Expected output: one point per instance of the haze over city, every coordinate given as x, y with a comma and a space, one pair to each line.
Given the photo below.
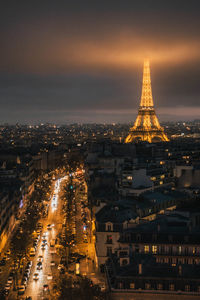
64, 62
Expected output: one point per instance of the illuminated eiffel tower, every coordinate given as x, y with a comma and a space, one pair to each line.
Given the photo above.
146, 127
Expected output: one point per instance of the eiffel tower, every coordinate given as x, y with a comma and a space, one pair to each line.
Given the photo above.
146, 127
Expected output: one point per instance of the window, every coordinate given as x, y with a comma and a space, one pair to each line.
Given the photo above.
129, 177
159, 286
171, 287
121, 285
109, 227
193, 250
132, 285
174, 261
166, 249
124, 262
109, 239
109, 251
154, 249
147, 286
187, 288
179, 250
146, 249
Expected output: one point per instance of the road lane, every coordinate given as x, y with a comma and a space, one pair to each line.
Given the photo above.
54, 218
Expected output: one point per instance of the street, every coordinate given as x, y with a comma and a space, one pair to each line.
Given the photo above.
35, 288
46, 250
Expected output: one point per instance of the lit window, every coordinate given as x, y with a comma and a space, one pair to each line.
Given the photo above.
146, 249
132, 285
129, 177
159, 286
179, 250
161, 182
187, 288
147, 286
171, 287
162, 176
153, 178
154, 249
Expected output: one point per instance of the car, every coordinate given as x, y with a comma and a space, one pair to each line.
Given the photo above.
24, 282
5, 292
40, 258
7, 286
39, 225
8, 252
60, 266
27, 271
35, 245
49, 227
25, 276
2, 262
52, 263
29, 263
6, 257
32, 251
45, 287
28, 266
11, 274
36, 276
62, 271
39, 267
21, 290
49, 276
10, 280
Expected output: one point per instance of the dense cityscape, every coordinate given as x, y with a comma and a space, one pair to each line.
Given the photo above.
82, 209
100, 150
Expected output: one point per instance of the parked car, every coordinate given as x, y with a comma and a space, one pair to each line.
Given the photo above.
36, 276
21, 290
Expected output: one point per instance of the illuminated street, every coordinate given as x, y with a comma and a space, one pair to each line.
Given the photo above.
35, 287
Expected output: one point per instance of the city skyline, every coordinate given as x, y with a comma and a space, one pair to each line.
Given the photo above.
66, 63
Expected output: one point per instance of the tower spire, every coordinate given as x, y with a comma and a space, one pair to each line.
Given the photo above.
146, 98
146, 126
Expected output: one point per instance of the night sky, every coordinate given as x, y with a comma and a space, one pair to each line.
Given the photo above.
81, 61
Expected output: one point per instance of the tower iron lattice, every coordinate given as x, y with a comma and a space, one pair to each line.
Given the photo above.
146, 126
